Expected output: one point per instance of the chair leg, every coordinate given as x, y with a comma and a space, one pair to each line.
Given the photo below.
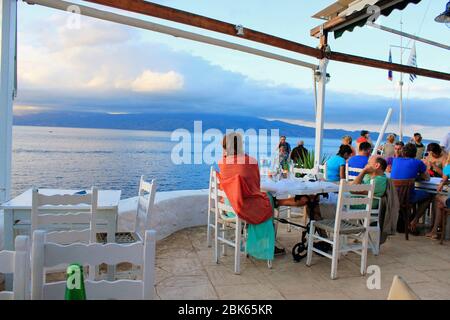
208, 229
365, 246
335, 256
269, 264
406, 212
289, 218
312, 229
216, 243
237, 248
443, 226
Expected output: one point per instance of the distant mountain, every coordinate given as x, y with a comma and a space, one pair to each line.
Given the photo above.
168, 122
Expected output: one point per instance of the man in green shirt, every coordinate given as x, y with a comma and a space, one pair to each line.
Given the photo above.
374, 170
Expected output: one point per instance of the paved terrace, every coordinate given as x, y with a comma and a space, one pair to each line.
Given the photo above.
185, 270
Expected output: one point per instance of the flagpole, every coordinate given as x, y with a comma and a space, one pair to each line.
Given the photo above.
401, 85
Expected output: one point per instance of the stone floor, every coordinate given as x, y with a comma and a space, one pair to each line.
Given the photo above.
185, 270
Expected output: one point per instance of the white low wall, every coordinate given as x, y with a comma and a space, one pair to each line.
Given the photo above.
173, 211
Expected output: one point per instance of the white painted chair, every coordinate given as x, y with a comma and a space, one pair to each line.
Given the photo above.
225, 224
64, 216
46, 254
351, 177
374, 226
144, 209
349, 224
18, 263
211, 206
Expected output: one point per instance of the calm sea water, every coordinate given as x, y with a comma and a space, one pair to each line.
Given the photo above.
111, 159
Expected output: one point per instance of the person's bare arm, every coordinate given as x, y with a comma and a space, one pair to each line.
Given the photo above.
424, 176
443, 183
342, 172
359, 179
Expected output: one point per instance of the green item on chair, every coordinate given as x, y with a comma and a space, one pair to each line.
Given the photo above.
75, 283
261, 240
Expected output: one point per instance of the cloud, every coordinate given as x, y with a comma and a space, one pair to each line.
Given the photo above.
109, 68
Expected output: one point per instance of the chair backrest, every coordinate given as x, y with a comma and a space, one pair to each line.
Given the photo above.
400, 290
63, 212
18, 263
220, 198
47, 254
348, 170
351, 206
212, 186
146, 200
404, 188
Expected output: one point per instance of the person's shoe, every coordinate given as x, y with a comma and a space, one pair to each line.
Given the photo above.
279, 251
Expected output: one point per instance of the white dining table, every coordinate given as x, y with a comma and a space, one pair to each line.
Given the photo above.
288, 188
431, 186
19, 208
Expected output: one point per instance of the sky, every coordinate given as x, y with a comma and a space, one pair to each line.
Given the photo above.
92, 65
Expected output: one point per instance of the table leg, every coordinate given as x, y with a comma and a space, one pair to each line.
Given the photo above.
8, 243
110, 238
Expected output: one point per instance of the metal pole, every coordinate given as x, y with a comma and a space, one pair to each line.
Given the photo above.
8, 43
401, 87
382, 131
320, 112
133, 22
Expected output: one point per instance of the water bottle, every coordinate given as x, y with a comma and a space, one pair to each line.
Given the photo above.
75, 283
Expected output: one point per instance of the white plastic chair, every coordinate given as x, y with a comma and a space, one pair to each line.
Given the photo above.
18, 263
225, 224
46, 254
348, 224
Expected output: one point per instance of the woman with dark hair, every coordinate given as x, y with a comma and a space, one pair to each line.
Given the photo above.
336, 164
435, 161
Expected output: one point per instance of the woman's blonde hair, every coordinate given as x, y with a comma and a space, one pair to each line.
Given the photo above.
347, 139
232, 143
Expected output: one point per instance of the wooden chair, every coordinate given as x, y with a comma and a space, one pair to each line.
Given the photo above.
444, 224
348, 169
46, 254
146, 200
349, 223
67, 218
224, 223
404, 189
18, 263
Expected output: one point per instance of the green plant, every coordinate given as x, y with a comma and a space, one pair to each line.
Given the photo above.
307, 162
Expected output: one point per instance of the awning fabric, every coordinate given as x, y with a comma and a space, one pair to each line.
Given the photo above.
360, 23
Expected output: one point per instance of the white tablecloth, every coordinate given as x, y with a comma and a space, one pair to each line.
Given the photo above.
295, 186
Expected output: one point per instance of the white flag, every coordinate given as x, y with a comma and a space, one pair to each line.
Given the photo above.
413, 62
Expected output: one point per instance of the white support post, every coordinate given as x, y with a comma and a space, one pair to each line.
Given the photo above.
320, 112
7, 69
382, 131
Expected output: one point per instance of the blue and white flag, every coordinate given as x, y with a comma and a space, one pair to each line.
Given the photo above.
413, 62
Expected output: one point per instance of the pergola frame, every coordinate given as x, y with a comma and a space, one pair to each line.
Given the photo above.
323, 53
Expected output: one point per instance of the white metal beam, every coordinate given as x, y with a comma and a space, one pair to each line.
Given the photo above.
322, 81
138, 23
7, 69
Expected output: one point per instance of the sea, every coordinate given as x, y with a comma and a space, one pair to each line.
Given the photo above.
78, 158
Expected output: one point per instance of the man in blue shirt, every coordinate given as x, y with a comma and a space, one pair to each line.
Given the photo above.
409, 167
360, 160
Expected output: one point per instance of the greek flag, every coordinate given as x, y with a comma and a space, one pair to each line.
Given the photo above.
413, 62
390, 76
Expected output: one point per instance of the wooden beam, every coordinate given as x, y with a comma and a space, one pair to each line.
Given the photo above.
188, 18
172, 14
348, 58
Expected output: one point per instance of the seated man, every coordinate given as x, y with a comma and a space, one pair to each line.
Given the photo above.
360, 160
374, 170
409, 167
398, 153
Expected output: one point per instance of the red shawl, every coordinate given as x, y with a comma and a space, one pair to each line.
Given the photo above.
240, 180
